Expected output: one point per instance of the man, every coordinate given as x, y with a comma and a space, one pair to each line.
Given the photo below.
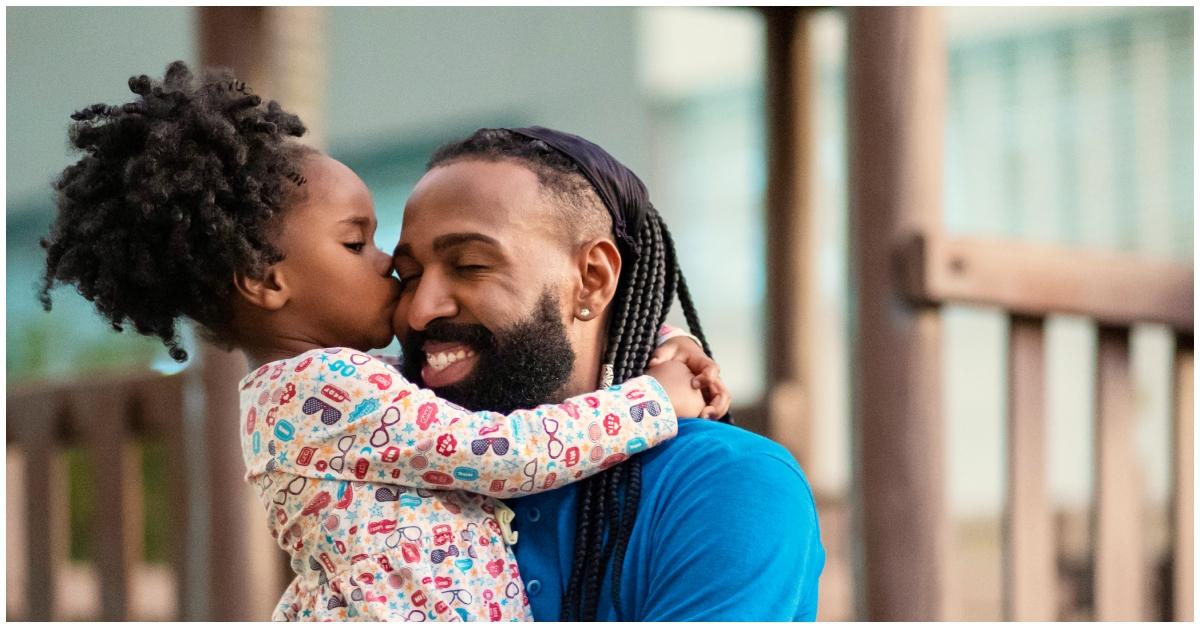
534, 267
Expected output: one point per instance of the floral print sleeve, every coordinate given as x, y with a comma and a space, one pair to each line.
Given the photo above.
345, 415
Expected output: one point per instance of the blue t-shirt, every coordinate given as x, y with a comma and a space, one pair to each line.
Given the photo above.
726, 530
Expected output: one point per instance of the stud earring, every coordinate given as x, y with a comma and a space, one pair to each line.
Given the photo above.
584, 313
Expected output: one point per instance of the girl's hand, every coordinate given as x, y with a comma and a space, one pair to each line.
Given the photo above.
706, 375
676, 380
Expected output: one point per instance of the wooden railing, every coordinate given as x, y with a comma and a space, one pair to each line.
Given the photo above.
105, 417
221, 561
1117, 291
904, 270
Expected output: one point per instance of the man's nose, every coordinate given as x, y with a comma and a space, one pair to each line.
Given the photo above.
432, 300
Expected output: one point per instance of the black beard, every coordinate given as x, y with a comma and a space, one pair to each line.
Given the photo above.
519, 367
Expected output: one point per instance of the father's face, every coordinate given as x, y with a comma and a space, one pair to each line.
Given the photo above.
486, 288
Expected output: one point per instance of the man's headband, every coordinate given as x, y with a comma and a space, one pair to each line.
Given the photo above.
621, 191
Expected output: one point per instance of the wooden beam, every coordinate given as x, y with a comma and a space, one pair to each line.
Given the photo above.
235, 37
896, 100
46, 511
1120, 569
790, 229
1030, 577
1115, 289
162, 410
1183, 496
100, 415
280, 53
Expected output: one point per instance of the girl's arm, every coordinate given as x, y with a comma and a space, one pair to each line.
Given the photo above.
365, 422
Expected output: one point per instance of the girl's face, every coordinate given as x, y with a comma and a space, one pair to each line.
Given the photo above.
341, 291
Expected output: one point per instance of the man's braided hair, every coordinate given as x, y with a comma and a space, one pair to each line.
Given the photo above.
176, 191
607, 502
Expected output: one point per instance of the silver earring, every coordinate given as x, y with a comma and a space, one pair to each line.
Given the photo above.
584, 312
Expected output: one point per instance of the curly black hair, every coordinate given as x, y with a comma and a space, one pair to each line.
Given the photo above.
176, 192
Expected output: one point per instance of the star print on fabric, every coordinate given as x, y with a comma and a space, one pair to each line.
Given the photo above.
337, 535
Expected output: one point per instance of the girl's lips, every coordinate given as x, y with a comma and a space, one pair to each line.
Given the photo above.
452, 374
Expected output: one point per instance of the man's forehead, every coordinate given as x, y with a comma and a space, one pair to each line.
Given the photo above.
502, 199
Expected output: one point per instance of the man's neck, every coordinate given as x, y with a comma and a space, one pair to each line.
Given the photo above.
585, 379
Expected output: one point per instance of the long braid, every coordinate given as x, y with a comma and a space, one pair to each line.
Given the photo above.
613, 522
633, 493
582, 513
594, 563
654, 279
685, 296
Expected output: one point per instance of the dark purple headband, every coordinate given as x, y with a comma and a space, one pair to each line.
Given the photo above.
621, 191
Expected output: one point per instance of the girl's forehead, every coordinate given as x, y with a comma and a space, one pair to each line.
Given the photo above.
334, 191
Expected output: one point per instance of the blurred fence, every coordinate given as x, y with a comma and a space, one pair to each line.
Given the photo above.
107, 419
220, 561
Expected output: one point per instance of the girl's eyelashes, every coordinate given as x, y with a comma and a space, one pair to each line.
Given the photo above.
357, 247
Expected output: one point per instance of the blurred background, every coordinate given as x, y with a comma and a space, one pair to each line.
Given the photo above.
943, 255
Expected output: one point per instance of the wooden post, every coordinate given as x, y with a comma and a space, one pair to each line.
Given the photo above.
280, 53
1120, 568
297, 66
100, 414
161, 409
1183, 482
45, 493
1030, 577
790, 232
896, 95
233, 37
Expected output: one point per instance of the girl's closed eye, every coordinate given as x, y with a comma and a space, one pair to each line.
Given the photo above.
357, 247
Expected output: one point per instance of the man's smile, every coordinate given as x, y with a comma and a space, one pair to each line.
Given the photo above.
447, 363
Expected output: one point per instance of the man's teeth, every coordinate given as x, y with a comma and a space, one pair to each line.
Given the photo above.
441, 360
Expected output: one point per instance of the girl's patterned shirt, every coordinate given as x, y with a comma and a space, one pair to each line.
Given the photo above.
385, 495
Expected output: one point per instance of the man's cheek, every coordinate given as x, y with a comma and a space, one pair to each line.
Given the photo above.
400, 318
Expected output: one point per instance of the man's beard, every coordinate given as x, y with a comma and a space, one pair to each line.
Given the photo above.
519, 367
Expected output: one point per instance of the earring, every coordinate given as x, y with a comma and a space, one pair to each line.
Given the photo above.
584, 313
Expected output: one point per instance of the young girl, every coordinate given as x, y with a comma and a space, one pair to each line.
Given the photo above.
193, 201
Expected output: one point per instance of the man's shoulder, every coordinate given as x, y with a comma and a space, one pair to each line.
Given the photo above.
724, 456
721, 499
701, 442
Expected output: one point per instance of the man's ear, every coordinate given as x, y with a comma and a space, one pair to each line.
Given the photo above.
599, 271
268, 292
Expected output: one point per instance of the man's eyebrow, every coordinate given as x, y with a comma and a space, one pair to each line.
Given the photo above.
456, 239
447, 241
